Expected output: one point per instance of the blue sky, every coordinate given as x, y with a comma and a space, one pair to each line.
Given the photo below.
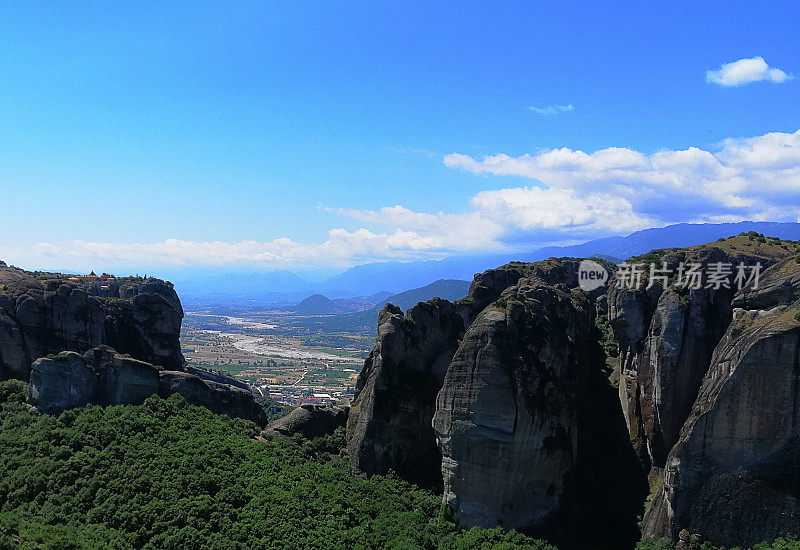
319, 135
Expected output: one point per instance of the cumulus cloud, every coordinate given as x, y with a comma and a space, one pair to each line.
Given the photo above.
572, 196
468, 231
552, 109
342, 249
746, 71
751, 178
538, 208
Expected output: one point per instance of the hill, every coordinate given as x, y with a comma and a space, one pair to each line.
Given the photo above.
449, 289
316, 304
364, 321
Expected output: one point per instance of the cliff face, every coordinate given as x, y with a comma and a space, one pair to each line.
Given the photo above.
666, 338
532, 435
517, 369
506, 416
389, 426
104, 377
117, 342
733, 474
42, 314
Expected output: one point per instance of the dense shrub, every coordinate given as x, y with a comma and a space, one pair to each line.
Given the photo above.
167, 475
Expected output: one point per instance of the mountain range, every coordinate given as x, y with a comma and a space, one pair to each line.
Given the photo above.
287, 288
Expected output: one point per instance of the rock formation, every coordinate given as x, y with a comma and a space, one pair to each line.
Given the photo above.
532, 435
43, 314
517, 370
666, 337
390, 419
104, 377
734, 473
128, 330
506, 416
310, 421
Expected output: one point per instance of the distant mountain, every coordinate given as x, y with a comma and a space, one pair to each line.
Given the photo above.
400, 275
378, 297
679, 235
286, 288
365, 321
449, 289
316, 304
268, 287
371, 278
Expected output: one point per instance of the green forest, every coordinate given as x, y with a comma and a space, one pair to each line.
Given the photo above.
169, 475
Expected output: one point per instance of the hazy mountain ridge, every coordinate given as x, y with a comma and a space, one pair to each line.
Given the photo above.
364, 321
287, 288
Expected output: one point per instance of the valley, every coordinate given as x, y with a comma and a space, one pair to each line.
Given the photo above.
280, 353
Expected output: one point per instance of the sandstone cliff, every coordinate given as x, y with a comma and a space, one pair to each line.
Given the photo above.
518, 372
734, 473
104, 377
42, 313
390, 419
107, 341
666, 337
506, 416
389, 426
531, 434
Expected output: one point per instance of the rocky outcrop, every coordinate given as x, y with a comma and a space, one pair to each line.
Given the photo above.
530, 430
506, 416
733, 474
310, 421
217, 397
104, 377
63, 382
666, 338
531, 433
43, 314
520, 377
389, 427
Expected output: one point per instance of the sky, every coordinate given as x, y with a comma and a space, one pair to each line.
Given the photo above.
321, 135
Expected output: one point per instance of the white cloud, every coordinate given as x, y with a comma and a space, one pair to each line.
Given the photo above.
468, 231
574, 195
552, 109
746, 71
342, 248
747, 178
563, 209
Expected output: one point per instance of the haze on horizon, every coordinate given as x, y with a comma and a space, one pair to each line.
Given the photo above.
315, 136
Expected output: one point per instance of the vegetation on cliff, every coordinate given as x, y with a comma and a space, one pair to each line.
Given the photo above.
166, 474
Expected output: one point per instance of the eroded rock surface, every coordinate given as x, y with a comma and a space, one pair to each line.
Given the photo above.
532, 435
666, 338
43, 314
310, 421
506, 416
734, 474
61, 383
104, 377
390, 419
389, 427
